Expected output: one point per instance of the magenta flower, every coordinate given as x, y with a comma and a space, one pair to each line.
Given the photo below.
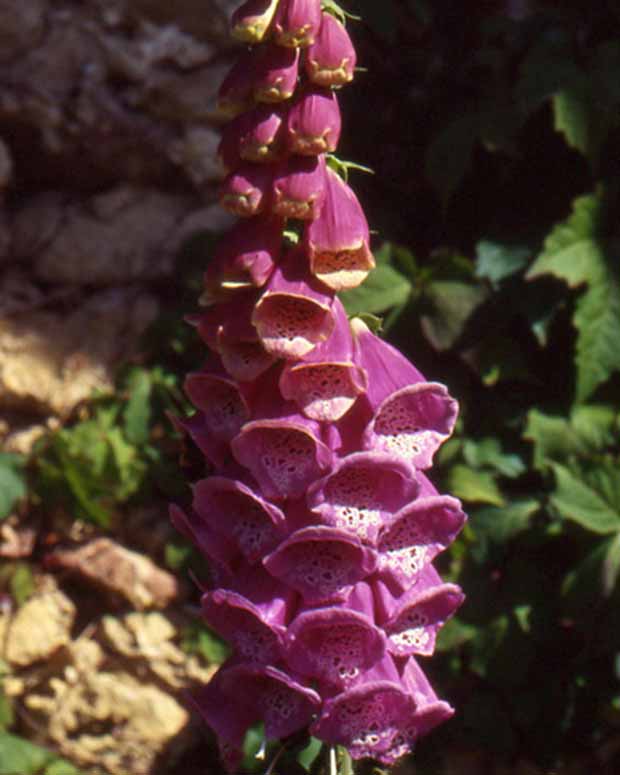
361, 493
327, 382
299, 188
411, 417
338, 240
251, 20
321, 563
246, 257
313, 123
297, 22
235, 93
319, 528
331, 59
276, 73
256, 136
294, 314
246, 191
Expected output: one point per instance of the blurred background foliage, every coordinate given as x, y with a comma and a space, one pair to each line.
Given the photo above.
494, 132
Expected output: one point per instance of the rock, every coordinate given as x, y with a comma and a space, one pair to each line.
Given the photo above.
134, 720
39, 628
114, 238
121, 571
21, 26
50, 361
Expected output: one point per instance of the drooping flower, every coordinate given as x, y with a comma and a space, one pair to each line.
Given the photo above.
338, 241
246, 191
297, 22
255, 136
331, 59
246, 257
251, 20
411, 417
294, 314
299, 188
327, 382
319, 528
313, 123
275, 75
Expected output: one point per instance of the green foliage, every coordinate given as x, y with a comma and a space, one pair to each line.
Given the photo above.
578, 252
12, 483
20, 757
107, 458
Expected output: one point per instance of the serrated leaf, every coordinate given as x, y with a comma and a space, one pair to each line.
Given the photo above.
611, 566
474, 486
384, 288
572, 117
449, 156
579, 501
137, 412
590, 429
488, 453
495, 261
12, 483
576, 252
502, 524
453, 304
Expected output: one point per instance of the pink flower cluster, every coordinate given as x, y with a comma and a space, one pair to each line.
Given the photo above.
318, 522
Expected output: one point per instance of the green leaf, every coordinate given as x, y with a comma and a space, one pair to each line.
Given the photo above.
500, 524
199, 639
589, 430
12, 483
384, 288
590, 507
449, 156
20, 757
452, 305
22, 583
576, 252
474, 486
495, 261
307, 756
60, 767
137, 412
611, 566
481, 453
7, 716
572, 117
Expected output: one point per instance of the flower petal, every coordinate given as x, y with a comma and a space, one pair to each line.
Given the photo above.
362, 493
416, 535
322, 563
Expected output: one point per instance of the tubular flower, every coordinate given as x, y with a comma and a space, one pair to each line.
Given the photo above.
275, 75
297, 22
331, 59
313, 124
317, 520
338, 241
251, 20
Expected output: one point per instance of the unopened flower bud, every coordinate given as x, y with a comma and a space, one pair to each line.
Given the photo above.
313, 124
297, 22
275, 76
251, 20
331, 59
246, 191
299, 188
